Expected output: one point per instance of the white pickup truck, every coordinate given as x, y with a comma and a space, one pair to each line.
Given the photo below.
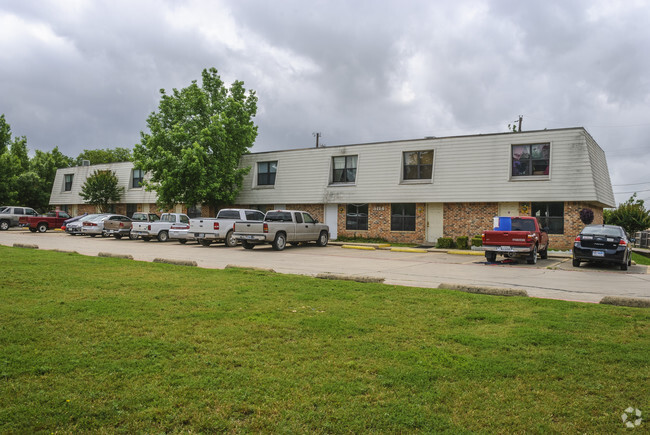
220, 229
281, 227
159, 229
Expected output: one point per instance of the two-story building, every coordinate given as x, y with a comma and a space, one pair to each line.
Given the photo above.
419, 190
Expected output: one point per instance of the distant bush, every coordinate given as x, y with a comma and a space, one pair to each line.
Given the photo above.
461, 242
477, 241
445, 243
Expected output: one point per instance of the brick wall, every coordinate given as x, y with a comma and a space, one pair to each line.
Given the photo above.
468, 218
379, 219
316, 210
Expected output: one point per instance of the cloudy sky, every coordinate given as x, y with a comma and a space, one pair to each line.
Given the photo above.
83, 74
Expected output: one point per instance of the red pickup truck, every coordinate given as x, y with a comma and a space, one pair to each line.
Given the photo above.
516, 236
41, 223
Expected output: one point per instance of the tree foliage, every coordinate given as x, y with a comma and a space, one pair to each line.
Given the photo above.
631, 215
107, 155
101, 189
196, 140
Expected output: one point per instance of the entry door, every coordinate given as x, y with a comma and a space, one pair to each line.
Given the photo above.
434, 222
509, 209
331, 219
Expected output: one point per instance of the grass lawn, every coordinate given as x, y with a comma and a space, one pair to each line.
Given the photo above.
640, 259
110, 345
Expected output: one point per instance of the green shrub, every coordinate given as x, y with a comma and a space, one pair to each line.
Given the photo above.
461, 242
445, 243
477, 241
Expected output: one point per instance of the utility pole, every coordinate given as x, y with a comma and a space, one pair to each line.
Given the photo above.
318, 135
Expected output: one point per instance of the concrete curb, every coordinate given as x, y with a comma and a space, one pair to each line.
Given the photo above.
111, 255
63, 251
369, 279
468, 252
413, 250
260, 269
25, 245
626, 302
493, 291
176, 262
367, 248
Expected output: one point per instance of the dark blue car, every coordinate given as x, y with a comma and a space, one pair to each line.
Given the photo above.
603, 244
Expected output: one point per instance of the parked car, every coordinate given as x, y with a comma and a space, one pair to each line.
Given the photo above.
281, 227
159, 229
95, 226
117, 225
515, 236
220, 229
180, 231
142, 217
71, 220
42, 223
603, 244
10, 216
74, 228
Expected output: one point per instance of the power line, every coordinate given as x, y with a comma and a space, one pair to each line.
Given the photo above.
631, 184
632, 191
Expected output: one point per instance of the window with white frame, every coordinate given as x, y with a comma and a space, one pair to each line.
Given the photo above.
67, 182
418, 165
138, 176
532, 159
266, 173
344, 169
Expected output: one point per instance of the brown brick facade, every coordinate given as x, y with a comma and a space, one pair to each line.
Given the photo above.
379, 224
468, 218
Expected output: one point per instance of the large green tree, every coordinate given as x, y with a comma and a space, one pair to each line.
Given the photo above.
195, 142
631, 215
106, 155
101, 189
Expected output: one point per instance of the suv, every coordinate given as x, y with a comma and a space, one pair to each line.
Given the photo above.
9, 216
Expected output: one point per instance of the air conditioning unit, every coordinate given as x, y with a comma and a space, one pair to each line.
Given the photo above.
85, 163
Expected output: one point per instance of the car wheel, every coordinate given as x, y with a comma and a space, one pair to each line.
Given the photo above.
163, 236
42, 228
231, 242
280, 242
4, 225
576, 262
118, 236
624, 265
182, 241
323, 238
532, 258
544, 254
491, 256
133, 236
205, 242
247, 245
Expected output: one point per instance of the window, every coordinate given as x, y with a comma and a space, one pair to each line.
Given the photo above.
298, 218
530, 160
402, 217
67, 182
345, 169
549, 215
266, 173
130, 209
254, 215
356, 217
138, 176
308, 219
195, 211
418, 165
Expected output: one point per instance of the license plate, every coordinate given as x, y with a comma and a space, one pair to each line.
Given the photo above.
504, 248
248, 237
598, 253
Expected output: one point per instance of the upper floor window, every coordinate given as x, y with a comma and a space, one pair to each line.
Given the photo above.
530, 159
266, 173
418, 165
345, 169
67, 182
138, 176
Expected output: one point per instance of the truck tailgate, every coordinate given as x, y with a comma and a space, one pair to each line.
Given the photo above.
253, 227
509, 238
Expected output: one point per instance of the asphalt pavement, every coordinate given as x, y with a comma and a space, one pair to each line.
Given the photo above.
553, 278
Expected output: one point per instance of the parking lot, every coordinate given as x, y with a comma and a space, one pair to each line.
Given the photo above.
554, 277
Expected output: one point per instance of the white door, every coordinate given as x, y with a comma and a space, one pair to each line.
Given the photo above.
434, 222
331, 219
509, 209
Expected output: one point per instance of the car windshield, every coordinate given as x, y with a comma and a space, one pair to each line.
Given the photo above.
600, 230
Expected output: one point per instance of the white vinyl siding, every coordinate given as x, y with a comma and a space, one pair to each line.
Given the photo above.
465, 169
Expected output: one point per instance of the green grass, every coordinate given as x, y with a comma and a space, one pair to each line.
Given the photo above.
93, 344
640, 259
373, 240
